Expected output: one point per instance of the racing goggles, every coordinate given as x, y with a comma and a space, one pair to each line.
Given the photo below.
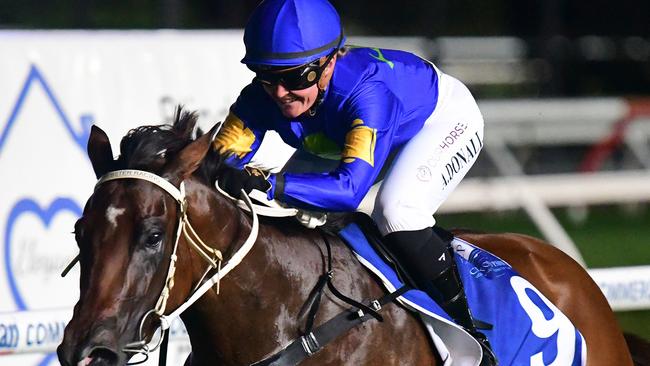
295, 78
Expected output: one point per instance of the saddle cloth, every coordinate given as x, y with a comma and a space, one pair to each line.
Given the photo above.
527, 328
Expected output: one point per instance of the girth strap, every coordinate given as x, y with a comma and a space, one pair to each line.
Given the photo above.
326, 279
306, 346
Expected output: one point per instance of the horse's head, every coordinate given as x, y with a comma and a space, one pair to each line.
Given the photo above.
126, 237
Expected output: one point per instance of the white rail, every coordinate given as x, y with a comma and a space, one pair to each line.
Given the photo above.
557, 190
534, 206
558, 122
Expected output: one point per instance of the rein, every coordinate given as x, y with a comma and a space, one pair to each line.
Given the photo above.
272, 208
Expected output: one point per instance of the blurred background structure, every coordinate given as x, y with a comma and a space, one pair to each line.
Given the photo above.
564, 86
541, 48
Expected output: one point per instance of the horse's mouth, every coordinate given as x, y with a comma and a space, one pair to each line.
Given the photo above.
100, 356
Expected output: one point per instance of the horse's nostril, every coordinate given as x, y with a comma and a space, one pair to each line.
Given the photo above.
100, 356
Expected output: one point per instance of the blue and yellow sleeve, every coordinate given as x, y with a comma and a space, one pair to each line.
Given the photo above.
237, 141
368, 142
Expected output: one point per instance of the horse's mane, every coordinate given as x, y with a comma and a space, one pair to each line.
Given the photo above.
151, 147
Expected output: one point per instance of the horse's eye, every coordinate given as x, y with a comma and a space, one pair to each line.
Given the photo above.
154, 239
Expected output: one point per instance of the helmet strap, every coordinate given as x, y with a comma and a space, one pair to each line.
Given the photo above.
322, 84
317, 102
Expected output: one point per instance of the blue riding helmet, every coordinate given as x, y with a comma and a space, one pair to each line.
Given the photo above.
291, 32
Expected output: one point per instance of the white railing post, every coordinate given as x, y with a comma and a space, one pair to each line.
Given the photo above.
530, 202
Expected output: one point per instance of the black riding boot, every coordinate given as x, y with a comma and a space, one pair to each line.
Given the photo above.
454, 303
439, 278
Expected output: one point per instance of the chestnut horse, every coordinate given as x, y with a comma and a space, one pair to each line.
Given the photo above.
126, 238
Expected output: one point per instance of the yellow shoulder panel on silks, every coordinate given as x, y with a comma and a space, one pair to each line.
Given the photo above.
360, 143
234, 137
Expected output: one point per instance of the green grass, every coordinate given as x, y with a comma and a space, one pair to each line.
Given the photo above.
609, 236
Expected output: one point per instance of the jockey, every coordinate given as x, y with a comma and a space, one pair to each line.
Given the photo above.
362, 105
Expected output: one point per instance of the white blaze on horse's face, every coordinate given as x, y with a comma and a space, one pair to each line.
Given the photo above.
112, 213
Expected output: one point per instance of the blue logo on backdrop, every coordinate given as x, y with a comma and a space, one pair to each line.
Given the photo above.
35, 77
27, 205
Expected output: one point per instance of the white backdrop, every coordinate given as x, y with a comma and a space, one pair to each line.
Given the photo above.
53, 87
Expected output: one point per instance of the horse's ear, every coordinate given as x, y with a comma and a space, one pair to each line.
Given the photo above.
189, 159
99, 151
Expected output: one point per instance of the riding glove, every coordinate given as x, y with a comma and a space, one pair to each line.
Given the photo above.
234, 180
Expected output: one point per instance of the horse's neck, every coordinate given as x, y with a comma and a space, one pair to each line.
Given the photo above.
281, 263
260, 300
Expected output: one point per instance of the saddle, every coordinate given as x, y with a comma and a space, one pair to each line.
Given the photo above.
496, 294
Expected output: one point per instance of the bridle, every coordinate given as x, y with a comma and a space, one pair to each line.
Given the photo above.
211, 255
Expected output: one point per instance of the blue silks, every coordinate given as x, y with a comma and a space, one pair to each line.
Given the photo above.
527, 328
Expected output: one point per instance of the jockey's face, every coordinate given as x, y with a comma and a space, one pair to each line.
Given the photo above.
295, 90
292, 103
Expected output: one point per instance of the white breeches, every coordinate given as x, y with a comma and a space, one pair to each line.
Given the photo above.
431, 164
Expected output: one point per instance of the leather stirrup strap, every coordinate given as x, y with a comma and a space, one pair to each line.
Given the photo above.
307, 345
